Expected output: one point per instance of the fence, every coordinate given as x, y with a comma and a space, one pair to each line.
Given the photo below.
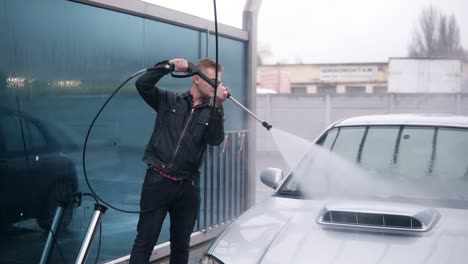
223, 181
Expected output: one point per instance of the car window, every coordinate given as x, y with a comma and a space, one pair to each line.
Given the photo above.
330, 139
381, 140
451, 155
11, 131
415, 151
397, 161
35, 138
348, 141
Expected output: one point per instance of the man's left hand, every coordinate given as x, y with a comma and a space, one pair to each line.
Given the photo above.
221, 95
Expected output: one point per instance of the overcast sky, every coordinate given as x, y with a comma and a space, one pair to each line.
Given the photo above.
312, 31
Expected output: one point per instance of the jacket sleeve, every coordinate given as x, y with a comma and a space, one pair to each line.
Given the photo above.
216, 131
145, 85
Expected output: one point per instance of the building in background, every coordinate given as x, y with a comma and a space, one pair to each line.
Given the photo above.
398, 75
320, 79
409, 75
465, 78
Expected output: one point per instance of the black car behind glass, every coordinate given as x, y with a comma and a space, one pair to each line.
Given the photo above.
34, 172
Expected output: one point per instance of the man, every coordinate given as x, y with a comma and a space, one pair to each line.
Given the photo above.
174, 155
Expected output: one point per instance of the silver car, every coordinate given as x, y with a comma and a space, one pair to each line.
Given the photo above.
372, 189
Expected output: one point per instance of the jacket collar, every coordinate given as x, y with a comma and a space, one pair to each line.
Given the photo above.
189, 96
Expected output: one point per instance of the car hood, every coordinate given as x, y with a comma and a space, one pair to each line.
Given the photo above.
282, 230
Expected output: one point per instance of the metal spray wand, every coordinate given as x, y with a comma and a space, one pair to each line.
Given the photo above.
194, 70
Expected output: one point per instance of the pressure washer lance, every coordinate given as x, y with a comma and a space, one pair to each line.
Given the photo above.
194, 70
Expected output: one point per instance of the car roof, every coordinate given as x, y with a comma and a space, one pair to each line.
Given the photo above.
407, 119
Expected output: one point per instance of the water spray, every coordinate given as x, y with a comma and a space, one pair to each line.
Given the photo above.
194, 70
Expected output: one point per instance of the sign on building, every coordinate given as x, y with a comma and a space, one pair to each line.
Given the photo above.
348, 73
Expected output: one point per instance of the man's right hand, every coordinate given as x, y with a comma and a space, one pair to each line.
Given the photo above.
180, 65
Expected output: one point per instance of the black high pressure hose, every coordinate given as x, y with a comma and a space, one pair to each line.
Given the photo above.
216, 60
86, 143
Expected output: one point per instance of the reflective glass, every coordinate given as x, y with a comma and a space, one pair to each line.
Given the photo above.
381, 140
330, 139
451, 161
10, 129
59, 62
348, 141
415, 150
421, 163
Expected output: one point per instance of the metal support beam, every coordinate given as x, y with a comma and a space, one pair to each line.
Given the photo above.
250, 25
166, 15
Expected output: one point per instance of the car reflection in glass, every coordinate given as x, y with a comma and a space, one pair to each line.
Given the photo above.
372, 189
35, 174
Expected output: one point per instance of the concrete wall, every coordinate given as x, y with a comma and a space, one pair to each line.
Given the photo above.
306, 116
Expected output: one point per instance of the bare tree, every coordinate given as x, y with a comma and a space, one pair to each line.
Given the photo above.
436, 36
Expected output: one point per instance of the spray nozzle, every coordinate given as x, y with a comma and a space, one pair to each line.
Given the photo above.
266, 125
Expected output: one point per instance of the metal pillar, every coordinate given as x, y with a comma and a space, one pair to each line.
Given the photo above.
250, 14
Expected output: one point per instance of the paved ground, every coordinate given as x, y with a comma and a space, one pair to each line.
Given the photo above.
195, 254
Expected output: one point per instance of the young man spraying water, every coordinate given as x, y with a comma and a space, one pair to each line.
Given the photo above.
174, 155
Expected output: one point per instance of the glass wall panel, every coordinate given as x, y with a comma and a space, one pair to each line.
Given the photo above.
59, 62
231, 54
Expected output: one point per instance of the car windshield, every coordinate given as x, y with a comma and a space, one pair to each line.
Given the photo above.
427, 163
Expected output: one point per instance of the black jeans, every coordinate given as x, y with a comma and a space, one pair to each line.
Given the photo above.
182, 200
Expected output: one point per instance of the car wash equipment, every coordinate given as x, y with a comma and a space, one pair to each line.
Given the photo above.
62, 205
99, 210
194, 70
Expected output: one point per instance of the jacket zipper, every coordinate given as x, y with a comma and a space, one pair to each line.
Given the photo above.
181, 136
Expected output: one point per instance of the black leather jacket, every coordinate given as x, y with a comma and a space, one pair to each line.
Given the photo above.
181, 131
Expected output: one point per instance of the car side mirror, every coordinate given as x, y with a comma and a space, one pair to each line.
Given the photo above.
271, 177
